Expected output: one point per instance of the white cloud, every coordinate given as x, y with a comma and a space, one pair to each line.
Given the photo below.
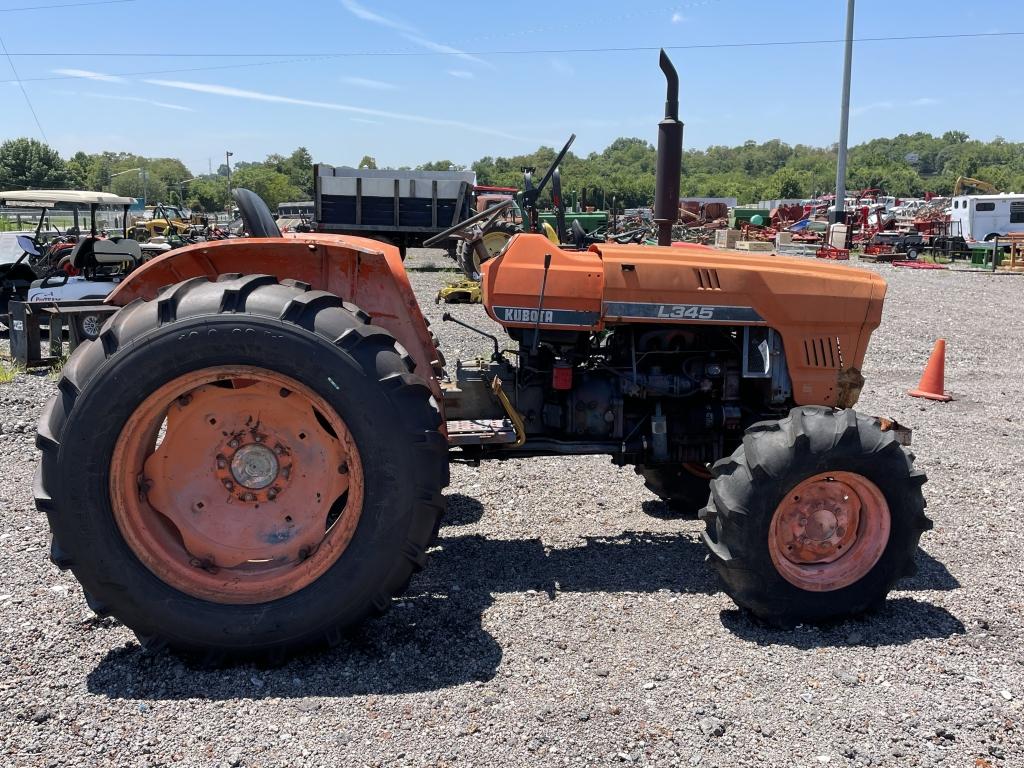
409, 32
140, 100
461, 74
89, 75
678, 18
875, 106
441, 48
367, 15
239, 93
364, 120
872, 107
373, 85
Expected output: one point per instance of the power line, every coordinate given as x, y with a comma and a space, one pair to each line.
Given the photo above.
620, 49
299, 58
24, 92
64, 5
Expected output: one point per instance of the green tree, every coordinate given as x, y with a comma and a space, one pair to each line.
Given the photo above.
368, 162
272, 186
30, 164
208, 193
440, 165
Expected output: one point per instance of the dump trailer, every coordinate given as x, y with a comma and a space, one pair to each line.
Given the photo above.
250, 458
402, 208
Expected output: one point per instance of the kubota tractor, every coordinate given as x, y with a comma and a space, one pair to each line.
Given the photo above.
250, 458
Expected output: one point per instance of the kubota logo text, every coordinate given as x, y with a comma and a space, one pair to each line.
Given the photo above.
517, 315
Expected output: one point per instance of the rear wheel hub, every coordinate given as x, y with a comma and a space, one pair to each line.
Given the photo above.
236, 484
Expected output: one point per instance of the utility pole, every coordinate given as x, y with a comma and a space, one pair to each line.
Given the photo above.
227, 162
844, 119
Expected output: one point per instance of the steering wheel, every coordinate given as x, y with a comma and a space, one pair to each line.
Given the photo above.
256, 216
458, 231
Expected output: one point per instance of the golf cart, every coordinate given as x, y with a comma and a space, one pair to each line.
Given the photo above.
71, 266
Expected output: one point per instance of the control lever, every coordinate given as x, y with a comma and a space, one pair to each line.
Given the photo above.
540, 304
496, 357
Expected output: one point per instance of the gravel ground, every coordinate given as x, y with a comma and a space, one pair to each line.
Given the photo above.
564, 621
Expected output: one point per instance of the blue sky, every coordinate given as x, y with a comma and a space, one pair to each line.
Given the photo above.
465, 93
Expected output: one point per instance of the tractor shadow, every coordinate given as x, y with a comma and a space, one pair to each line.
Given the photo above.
434, 638
462, 510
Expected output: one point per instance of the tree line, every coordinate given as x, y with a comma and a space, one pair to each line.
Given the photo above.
908, 165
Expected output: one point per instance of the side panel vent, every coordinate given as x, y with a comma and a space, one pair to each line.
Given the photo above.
823, 352
707, 279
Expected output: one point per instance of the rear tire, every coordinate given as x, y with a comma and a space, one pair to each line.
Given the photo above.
313, 338
754, 484
683, 491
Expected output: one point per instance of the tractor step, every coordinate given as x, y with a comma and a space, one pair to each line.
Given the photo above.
481, 432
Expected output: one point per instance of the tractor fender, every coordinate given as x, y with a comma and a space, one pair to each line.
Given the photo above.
361, 271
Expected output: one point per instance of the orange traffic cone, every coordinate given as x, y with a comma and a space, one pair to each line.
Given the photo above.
932, 384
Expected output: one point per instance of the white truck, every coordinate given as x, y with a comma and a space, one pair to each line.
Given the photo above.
985, 217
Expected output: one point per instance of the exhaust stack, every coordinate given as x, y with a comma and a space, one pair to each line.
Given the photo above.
670, 157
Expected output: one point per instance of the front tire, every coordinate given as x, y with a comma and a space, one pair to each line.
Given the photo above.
192, 515
814, 517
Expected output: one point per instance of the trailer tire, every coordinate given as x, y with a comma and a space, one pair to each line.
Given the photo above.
912, 254
364, 381
683, 489
822, 454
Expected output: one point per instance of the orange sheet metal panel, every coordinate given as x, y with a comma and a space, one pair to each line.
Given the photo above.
824, 311
572, 297
364, 272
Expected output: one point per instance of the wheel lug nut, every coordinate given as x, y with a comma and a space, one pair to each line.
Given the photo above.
229, 485
803, 521
233, 443
248, 497
272, 493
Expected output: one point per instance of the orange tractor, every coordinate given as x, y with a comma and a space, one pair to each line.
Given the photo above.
250, 458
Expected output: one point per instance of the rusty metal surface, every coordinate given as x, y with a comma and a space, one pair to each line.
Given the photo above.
829, 531
192, 496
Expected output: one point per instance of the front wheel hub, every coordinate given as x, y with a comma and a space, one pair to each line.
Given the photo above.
829, 531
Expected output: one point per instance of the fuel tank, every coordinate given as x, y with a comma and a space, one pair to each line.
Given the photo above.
825, 312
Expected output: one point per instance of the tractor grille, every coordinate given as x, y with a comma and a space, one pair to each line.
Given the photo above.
707, 279
823, 352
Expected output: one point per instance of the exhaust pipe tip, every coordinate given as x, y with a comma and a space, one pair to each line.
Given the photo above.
671, 86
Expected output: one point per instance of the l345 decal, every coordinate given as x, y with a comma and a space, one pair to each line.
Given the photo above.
682, 312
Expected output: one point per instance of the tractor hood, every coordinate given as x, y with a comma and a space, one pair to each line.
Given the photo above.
825, 312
